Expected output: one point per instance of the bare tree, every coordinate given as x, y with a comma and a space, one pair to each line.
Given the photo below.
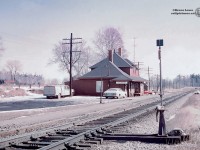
52, 81
108, 39
85, 60
154, 79
29, 79
14, 66
61, 56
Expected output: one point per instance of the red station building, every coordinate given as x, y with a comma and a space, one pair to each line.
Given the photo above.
111, 72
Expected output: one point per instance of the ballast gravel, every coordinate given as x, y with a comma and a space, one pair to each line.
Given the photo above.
185, 114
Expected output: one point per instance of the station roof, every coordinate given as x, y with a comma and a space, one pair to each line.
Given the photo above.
117, 60
109, 70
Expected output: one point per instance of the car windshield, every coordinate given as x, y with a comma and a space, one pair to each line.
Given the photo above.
113, 89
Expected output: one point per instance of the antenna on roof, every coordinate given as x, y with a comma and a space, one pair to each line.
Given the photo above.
134, 49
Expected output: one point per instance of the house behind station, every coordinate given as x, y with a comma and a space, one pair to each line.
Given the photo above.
111, 72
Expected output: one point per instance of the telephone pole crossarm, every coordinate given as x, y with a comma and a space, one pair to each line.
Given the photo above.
72, 43
74, 39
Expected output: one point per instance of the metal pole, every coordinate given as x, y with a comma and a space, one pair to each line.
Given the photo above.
70, 70
149, 78
161, 109
160, 77
138, 68
101, 89
157, 84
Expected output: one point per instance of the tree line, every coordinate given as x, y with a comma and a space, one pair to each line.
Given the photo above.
180, 81
12, 75
21, 79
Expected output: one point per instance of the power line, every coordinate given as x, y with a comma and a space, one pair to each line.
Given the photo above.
149, 69
138, 64
148, 73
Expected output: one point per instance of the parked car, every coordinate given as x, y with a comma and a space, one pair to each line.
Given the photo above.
152, 92
197, 92
52, 91
115, 93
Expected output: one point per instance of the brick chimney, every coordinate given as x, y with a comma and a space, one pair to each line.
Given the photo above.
120, 52
110, 55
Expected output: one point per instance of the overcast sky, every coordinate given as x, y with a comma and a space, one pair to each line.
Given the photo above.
30, 28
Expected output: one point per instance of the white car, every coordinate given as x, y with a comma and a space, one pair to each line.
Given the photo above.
115, 93
197, 92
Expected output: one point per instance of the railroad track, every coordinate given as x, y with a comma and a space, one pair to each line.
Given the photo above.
79, 136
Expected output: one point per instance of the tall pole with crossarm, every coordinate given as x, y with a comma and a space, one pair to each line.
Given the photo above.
70, 56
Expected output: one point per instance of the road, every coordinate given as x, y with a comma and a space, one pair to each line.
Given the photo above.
35, 103
31, 102
40, 101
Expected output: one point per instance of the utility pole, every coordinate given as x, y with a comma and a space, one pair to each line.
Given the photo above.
149, 79
149, 69
138, 65
179, 80
70, 57
157, 84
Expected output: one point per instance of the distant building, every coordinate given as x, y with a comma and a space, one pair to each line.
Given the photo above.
113, 72
9, 81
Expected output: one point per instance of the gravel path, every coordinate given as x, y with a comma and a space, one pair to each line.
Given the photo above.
185, 114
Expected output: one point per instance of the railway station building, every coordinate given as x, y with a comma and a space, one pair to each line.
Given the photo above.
111, 72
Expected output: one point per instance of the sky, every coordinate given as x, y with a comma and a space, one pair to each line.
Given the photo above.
29, 30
